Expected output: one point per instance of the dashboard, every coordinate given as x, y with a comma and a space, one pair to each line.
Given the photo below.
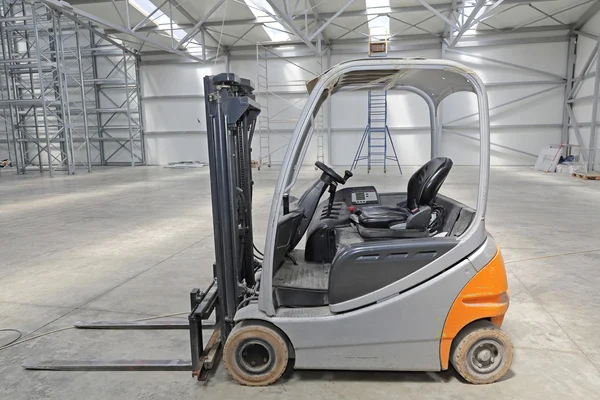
364, 195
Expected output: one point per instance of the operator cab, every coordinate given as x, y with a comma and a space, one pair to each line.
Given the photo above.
357, 240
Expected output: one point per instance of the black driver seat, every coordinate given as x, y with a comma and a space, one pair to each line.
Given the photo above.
422, 190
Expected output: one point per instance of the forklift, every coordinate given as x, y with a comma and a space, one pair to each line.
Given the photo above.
401, 281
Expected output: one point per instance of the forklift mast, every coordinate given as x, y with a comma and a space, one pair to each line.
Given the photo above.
231, 113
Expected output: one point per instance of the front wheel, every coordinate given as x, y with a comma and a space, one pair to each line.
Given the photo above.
255, 355
482, 353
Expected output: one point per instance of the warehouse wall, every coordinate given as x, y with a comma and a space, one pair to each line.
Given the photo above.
583, 107
173, 102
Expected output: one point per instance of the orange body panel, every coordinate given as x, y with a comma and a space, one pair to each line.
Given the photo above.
484, 296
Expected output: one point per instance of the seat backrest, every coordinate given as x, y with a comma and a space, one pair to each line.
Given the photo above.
424, 184
287, 231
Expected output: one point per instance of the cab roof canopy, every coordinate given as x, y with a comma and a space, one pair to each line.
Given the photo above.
433, 79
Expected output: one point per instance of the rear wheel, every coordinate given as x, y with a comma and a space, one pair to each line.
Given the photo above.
482, 353
255, 355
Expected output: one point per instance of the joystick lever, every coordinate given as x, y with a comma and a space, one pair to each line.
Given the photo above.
347, 175
332, 188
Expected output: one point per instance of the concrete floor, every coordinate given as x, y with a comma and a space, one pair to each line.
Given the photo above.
131, 243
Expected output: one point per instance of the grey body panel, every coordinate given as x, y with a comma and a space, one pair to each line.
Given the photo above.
455, 255
483, 255
399, 333
362, 268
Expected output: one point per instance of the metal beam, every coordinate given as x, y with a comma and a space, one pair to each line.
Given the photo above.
330, 20
551, 15
584, 71
143, 22
488, 12
505, 63
474, 42
287, 21
439, 14
414, 42
318, 18
571, 61
454, 132
594, 121
179, 7
585, 34
101, 34
467, 25
198, 25
577, 132
410, 25
506, 103
448, 29
322, 16
587, 15
350, 30
68, 10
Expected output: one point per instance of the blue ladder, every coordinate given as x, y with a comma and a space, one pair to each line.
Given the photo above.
376, 135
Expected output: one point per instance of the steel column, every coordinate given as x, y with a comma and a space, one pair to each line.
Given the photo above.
86, 131
571, 59
594, 122
42, 94
577, 132
128, 101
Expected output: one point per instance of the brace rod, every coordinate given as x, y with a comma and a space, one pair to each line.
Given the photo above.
508, 103
508, 64
584, 71
198, 25
147, 19
492, 143
589, 14
551, 15
330, 20
287, 21
468, 23
439, 14
67, 9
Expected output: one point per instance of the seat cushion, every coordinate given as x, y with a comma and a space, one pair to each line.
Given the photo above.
381, 216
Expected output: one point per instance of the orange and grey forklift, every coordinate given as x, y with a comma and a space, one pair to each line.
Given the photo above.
401, 281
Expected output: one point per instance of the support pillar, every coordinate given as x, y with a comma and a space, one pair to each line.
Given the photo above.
594, 123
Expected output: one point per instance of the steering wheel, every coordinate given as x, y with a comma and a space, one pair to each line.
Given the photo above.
329, 171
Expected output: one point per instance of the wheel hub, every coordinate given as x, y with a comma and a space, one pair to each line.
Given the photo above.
255, 356
486, 356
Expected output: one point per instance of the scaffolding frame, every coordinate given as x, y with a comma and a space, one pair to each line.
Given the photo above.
51, 88
267, 91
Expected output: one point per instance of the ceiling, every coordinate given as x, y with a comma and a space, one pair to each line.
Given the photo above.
230, 24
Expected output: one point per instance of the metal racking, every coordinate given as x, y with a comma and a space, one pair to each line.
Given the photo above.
57, 79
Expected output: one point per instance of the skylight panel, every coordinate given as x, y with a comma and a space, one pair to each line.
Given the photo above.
146, 7
379, 27
468, 10
262, 11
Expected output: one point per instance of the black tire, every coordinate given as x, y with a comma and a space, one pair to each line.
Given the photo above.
255, 355
482, 353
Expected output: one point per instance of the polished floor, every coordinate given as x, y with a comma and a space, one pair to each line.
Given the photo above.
130, 243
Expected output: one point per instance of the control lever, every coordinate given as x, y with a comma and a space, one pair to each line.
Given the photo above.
332, 188
347, 175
